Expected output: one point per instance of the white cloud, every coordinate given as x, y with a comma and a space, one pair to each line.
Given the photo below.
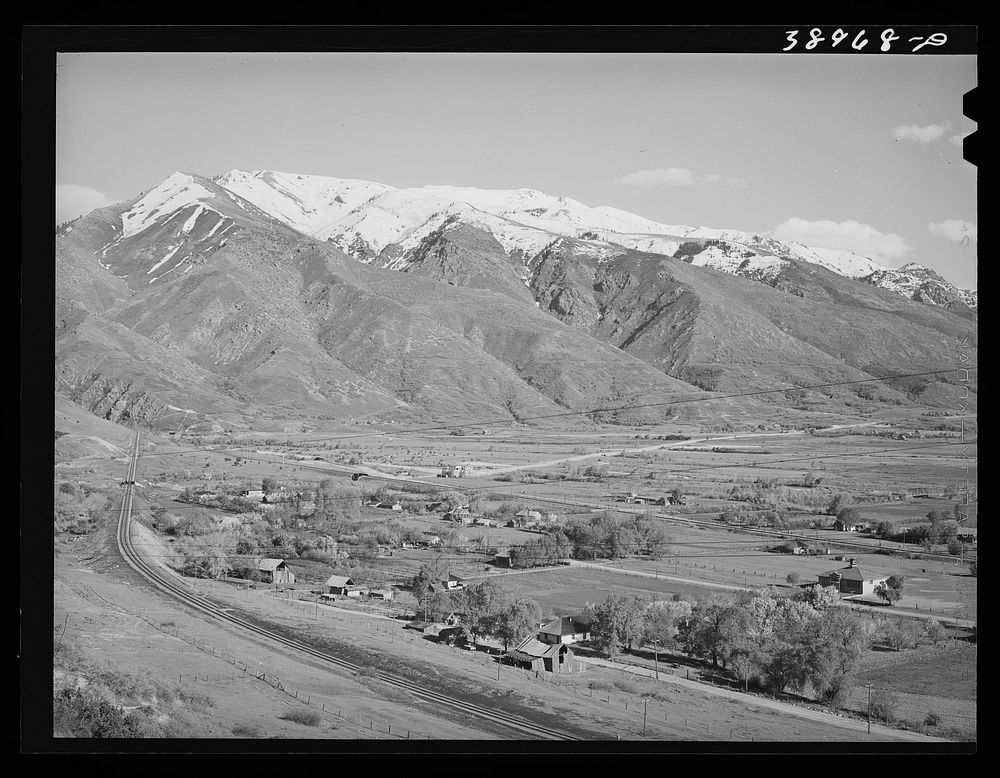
848, 236
928, 134
670, 177
954, 230
660, 177
73, 200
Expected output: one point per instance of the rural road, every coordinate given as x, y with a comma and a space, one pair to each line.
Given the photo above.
658, 576
615, 452
878, 732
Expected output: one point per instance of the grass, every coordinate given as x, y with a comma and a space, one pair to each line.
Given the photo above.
948, 673
307, 718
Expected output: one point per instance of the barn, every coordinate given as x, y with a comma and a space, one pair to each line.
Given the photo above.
275, 571
532, 654
338, 584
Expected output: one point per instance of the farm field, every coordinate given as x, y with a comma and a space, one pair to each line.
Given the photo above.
931, 679
597, 702
701, 560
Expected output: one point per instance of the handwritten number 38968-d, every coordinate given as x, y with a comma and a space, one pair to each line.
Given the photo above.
860, 41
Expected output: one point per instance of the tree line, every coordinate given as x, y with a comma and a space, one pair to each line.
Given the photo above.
802, 643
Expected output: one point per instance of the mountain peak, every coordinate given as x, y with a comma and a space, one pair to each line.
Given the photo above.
176, 191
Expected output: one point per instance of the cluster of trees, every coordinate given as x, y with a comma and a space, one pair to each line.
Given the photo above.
612, 536
753, 518
623, 622
546, 550
758, 636
223, 501
77, 508
781, 642
486, 610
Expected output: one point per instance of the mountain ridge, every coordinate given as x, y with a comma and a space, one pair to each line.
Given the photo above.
191, 296
540, 218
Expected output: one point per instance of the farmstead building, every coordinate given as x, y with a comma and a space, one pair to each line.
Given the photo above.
532, 654
851, 581
339, 584
275, 571
566, 629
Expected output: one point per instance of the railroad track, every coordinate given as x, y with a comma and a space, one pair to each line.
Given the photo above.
521, 726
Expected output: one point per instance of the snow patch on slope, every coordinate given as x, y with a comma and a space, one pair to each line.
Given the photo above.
845, 263
176, 192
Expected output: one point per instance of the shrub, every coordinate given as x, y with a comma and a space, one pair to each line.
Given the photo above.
309, 718
932, 719
82, 713
627, 686
884, 704
246, 730
899, 634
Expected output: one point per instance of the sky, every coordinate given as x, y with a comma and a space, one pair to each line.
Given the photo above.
859, 152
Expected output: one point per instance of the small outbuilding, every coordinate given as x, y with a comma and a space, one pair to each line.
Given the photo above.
502, 558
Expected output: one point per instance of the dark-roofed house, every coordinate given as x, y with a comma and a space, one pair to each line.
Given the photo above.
502, 558
453, 583
339, 584
460, 514
533, 654
565, 629
851, 581
275, 571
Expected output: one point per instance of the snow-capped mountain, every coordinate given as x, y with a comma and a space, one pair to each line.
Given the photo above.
300, 296
386, 226
920, 283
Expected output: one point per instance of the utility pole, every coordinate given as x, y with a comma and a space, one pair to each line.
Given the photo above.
644, 701
869, 709
656, 658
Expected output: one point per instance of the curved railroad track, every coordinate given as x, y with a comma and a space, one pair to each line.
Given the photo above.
521, 726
